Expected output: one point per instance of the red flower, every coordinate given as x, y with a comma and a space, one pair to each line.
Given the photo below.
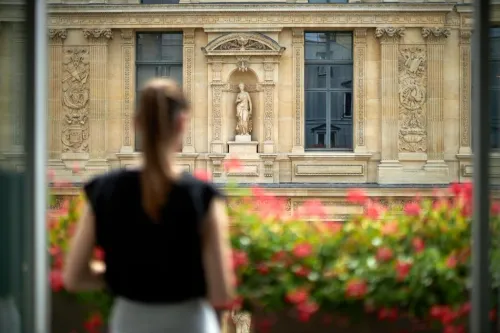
444, 313
263, 269
418, 244
384, 254
313, 208
451, 261
306, 310
334, 227
373, 210
495, 208
202, 175
402, 270
412, 209
99, 254
464, 309
279, 256
297, 296
302, 250
56, 280
240, 259
258, 192
57, 261
493, 314
390, 228
388, 313
232, 164
454, 329
302, 271
356, 196
94, 323
356, 288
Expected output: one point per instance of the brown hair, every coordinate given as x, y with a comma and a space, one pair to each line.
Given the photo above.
162, 101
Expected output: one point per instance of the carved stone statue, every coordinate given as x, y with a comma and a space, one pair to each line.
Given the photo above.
243, 112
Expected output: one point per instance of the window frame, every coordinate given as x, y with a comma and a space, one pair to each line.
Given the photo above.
163, 64
328, 90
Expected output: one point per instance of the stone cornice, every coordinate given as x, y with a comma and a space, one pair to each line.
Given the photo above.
223, 16
230, 8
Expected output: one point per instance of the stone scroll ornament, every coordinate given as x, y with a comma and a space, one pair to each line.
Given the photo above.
412, 96
75, 100
243, 112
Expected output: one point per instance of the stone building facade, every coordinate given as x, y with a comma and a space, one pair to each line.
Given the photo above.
358, 94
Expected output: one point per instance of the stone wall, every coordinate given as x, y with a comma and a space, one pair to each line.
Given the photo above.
411, 104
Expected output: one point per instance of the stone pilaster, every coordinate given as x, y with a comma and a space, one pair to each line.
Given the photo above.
389, 39
359, 89
465, 93
435, 38
270, 119
188, 83
127, 58
298, 90
56, 41
217, 86
98, 45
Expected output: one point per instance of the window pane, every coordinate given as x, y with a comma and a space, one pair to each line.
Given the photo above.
341, 76
171, 49
146, 73
328, 46
315, 76
176, 73
148, 47
341, 122
315, 119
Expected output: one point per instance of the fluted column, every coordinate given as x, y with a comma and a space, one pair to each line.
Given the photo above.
389, 39
56, 41
128, 55
465, 92
98, 45
436, 38
188, 85
298, 90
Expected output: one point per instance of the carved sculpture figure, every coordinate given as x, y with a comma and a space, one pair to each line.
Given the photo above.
243, 112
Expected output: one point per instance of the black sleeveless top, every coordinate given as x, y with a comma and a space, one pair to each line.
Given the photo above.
147, 261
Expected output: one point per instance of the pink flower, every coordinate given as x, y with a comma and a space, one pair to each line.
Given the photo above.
356, 288
297, 296
402, 270
240, 259
373, 210
313, 208
412, 209
390, 228
418, 244
56, 280
94, 323
232, 164
451, 261
202, 175
356, 196
384, 254
302, 250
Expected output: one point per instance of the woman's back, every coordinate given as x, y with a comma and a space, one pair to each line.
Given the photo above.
151, 261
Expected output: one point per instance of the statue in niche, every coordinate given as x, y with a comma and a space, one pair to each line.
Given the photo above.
243, 112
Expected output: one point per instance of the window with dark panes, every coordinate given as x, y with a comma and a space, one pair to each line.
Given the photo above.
157, 55
158, 2
328, 90
495, 87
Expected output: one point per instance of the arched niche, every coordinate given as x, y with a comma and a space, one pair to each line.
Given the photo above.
251, 81
250, 58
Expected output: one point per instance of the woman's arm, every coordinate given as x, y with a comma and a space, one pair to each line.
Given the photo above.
79, 275
217, 256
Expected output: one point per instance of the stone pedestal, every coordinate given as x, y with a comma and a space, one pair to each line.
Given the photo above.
243, 147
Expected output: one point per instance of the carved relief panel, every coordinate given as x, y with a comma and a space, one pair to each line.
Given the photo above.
75, 100
412, 67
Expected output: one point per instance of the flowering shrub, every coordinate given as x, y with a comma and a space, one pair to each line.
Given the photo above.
383, 262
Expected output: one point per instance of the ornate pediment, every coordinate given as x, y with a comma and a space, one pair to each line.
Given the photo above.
243, 44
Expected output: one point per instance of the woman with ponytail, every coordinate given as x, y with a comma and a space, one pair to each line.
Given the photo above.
164, 233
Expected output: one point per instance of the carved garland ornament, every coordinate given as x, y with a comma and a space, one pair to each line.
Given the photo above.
412, 95
465, 87
75, 92
127, 50
188, 75
246, 43
360, 58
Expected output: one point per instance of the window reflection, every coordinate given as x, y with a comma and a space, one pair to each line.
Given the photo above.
328, 90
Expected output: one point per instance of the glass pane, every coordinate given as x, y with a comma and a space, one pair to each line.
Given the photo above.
171, 49
176, 73
495, 118
341, 76
495, 42
328, 46
495, 74
315, 119
146, 73
341, 119
315, 76
148, 47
